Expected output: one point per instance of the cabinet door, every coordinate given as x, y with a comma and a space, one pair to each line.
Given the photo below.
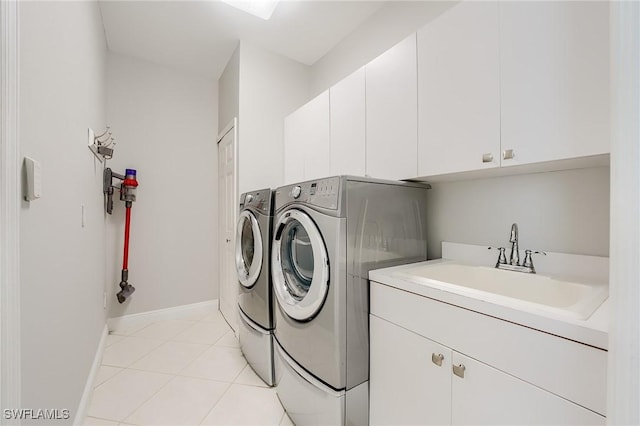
392, 113
405, 385
459, 90
554, 79
488, 396
306, 141
348, 125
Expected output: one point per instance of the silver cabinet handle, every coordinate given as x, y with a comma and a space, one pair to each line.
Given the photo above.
458, 370
508, 154
437, 359
487, 157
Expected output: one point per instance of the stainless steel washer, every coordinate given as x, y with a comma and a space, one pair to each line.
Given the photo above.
255, 301
328, 234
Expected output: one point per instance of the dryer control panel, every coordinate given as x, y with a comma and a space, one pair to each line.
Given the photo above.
322, 193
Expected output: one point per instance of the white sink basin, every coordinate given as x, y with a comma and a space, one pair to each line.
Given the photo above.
530, 292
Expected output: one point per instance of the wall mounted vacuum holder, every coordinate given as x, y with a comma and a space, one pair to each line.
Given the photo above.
128, 195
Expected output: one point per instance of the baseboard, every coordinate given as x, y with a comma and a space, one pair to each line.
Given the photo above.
128, 322
83, 407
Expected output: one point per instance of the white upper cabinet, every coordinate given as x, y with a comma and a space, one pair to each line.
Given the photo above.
348, 125
392, 113
306, 141
459, 90
554, 63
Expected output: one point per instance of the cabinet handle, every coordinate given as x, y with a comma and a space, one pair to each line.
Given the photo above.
458, 370
487, 157
437, 359
508, 154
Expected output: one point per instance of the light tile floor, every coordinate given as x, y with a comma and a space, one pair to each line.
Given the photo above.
188, 371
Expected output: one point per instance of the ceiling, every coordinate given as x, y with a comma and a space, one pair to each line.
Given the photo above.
200, 36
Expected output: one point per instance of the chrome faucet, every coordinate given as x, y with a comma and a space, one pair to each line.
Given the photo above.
514, 257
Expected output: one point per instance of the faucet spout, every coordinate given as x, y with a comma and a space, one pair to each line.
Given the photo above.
514, 258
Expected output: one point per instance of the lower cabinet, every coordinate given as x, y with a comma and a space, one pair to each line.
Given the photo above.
414, 380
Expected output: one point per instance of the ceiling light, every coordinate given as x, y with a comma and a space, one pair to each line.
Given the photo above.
260, 8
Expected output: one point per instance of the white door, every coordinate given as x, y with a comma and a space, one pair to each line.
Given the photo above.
226, 226
459, 90
392, 113
410, 377
554, 80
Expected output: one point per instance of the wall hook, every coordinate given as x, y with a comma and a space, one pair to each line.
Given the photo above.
101, 145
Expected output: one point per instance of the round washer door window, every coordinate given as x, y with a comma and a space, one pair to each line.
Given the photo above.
248, 249
300, 265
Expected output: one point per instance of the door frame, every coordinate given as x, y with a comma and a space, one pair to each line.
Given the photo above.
232, 126
10, 387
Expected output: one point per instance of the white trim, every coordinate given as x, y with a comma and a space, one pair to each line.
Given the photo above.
133, 321
623, 387
83, 407
10, 388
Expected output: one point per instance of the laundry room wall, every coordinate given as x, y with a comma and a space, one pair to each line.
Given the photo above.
165, 123
565, 211
229, 91
271, 86
62, 93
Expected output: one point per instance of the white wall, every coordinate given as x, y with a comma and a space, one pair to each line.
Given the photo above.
165, 124
63, 54
624, 280
391, 24
271, 87
229, 91
565, 211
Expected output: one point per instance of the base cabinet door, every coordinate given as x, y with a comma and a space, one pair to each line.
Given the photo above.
483, 395
414, 380
410, 377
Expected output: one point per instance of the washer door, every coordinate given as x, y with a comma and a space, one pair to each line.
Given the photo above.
300, 265
248, 249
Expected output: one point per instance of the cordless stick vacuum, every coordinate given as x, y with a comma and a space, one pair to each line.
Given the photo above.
128, 195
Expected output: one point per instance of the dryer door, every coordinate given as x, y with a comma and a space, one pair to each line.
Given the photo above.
248, 249
300, 265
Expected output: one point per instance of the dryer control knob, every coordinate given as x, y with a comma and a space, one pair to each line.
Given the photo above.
248, 199
296, 191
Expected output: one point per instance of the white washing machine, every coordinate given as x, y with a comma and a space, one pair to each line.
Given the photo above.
328, 234
255, 301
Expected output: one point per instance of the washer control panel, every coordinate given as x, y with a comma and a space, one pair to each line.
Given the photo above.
257, 199
321, 193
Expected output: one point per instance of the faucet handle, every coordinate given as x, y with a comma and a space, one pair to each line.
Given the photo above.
502, 257
528, 262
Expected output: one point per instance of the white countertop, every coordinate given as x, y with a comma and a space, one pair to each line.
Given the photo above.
593, 331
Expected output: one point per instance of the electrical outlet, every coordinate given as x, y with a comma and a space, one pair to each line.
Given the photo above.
104, 300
